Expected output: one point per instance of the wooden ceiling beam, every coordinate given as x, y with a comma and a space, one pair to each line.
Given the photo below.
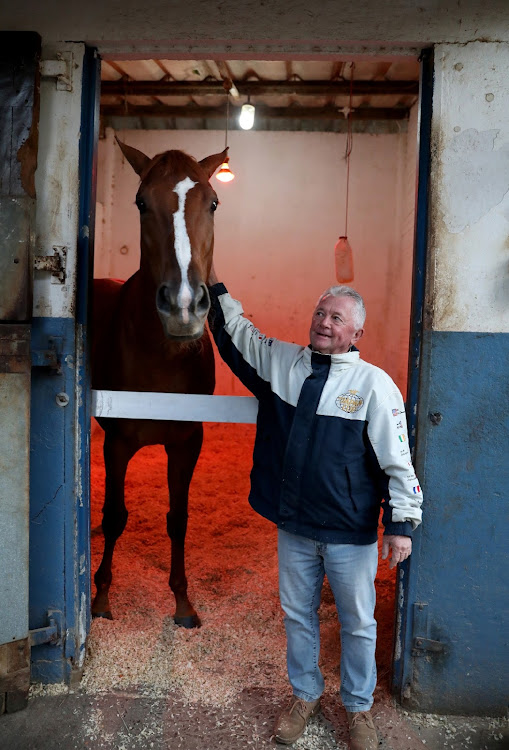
124, 87
293, 112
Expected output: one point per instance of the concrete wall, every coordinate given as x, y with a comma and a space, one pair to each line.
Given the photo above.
243, 26
462, 452
277, 225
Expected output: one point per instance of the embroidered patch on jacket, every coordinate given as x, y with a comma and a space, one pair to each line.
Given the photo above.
416, 490
349, 402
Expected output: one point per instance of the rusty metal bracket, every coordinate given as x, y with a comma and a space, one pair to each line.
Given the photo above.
60, 68
48, 353
52, 633
426, 644
55, 264
421, 644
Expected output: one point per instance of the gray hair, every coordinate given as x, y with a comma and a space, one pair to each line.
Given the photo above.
346, 291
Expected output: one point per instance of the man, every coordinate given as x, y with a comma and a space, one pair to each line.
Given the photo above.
331, 448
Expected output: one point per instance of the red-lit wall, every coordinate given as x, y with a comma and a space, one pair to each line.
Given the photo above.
278, 222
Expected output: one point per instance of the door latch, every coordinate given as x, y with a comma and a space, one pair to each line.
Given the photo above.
52, 633
421, 643
55, 264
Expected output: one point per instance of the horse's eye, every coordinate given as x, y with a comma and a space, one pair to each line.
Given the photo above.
214, 205
142, 206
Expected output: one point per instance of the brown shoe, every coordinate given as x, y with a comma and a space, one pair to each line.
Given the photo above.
291, 722
363, 734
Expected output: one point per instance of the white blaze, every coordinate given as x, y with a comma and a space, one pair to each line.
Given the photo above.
183, 246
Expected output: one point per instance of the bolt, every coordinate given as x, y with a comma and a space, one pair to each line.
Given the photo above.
62, 399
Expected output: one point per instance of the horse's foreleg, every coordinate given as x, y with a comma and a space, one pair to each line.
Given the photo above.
182, 460
117, 454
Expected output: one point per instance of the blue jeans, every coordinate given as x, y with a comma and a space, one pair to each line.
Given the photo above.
351, 571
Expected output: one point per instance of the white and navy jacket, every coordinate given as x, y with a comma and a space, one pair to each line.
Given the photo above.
331, 441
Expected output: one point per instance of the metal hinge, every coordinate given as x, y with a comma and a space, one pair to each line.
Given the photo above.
52, 633
48, 354
421, 644
60, 68
55, 263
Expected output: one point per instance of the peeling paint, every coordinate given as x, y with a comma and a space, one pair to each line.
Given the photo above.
57, 183
475, 179
399, 610
82, 630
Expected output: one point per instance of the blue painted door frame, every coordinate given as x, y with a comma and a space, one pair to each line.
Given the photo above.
407, 571
60, 427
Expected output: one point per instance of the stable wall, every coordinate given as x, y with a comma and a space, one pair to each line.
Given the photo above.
461, 458
277, 225
326, 27
458, 567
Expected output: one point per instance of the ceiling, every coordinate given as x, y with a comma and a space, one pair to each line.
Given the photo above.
374, 96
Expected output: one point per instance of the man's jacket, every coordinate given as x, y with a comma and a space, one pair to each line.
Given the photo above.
331, 441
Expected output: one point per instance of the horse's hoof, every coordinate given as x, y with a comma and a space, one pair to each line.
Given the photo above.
189, 621
105, 615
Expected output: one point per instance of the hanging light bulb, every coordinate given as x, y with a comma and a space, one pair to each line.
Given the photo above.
344, 260
225, 174
343, 256
247, 115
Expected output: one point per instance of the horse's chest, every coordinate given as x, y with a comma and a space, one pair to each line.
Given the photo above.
158, 368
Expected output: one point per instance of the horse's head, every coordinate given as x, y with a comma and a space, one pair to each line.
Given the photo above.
176, 205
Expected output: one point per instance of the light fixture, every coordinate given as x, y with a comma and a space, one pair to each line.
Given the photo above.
343, 256
247, 115
225, 174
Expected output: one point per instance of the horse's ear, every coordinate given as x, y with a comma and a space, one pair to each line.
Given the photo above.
136, 159
211, 163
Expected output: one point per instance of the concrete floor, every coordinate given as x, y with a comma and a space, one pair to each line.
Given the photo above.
58, 719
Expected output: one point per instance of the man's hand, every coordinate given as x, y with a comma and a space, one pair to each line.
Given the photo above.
401, 547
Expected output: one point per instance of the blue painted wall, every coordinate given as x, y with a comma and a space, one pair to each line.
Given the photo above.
459, 566
53, 566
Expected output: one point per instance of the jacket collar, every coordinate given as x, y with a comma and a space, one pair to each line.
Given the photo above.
338, 362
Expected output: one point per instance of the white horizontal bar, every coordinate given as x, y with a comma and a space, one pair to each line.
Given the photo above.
180, 407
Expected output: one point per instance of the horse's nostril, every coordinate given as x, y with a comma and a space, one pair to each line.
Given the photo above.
202, 298
163, 298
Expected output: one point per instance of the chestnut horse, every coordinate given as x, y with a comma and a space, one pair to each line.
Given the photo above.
149, 334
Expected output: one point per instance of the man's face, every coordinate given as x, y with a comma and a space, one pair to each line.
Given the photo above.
332, 326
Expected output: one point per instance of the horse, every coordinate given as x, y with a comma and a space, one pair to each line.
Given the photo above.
148, 334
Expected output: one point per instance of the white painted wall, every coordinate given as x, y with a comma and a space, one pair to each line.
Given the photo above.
278, 223
469, 248
57, 184
327, 27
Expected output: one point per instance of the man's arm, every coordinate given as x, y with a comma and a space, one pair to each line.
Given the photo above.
242, 346
388, 435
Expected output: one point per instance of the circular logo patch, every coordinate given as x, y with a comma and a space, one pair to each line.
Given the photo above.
349, 402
